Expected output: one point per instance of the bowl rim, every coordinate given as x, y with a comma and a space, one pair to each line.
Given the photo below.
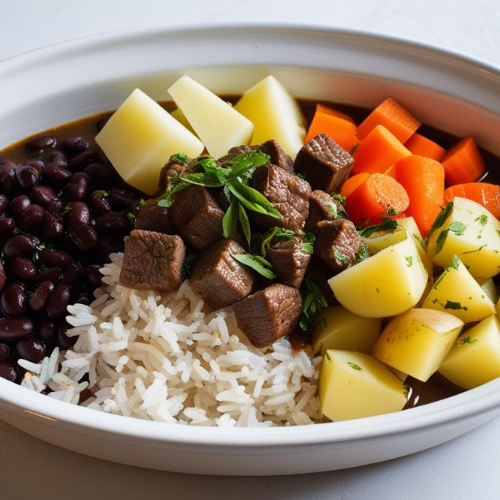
465, 406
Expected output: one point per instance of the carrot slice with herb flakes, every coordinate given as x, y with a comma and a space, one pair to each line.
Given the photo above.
463, 163
487, 195
393, 117
352, 183
422, 146
379, 194
377, 152
341, 131
320, 108
423, 180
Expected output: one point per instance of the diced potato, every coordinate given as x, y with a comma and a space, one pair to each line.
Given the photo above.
340, 329
475, 358
472, 233
489, 288
216, 123
386, 284
140, 137
417, 341
378, 241
411, 228
179, 116
458, 293
401, 376
275, 115
354, 385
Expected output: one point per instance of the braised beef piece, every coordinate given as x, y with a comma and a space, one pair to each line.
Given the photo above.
151, 217
236, 151
171, 169
322, 206
152, 260
288, 194
325, 164
269, 314
337, 244
218, 278
289, 260
277, 155
197, 217
319, 275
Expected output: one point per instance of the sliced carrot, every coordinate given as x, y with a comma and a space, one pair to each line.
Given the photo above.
463, 163
333, 112
377, 195
421, 146
391, 172
340, 130
352, 183
487, 195
378, 151
393, 117
423, 180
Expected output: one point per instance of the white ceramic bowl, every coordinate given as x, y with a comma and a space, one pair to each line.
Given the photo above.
64, 82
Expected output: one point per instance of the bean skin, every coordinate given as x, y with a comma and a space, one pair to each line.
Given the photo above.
58, 301
63, 340
93, 274
3, 279
78, 163
100, 175
54, 155
12, 329
8, 370
54, 206
41, 142
98, 203
120, 200
56, 258
46, 329
38, 300
19, 245
39, 165
7, 225
32, 349
113, 223
31, 218
4, 202
4, 351
78, 214
27, 177
21, 269
52, 226
78, 188
42, 195
58, 174
83, 298
8, 182
73, 146
72, 275
84, 237
53, 274
19, 204
13, 299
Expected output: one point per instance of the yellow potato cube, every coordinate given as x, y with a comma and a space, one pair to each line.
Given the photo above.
275, 115
472, 233
340, 329
417, 341
489, 288
179, 116
474, 359
458, 293
140, 137
354, 385
216, 123
386, 284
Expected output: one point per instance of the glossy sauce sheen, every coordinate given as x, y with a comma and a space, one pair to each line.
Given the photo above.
419, 393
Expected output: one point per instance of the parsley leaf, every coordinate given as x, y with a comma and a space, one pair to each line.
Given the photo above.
455, 262
482, 219
314, 303
466, 340
458, 228
188, 265
339, 257
441, 241
332, 211
386, 225
338, 197
355, 366
230, 220
442, 216
455, 306
275, 232
245, 223
362, 253
409, 261
308, 245
257, 263
391, 211
180, 157
131, 218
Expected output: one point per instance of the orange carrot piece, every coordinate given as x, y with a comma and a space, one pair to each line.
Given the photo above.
320, 108
393, 117
377, 152
352, 183
340, 130
463, 163
421, 146
487, 195
391, 172
423, 180
374, 197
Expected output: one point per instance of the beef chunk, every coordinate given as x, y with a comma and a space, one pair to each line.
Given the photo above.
288, 194
236, 151
172, 169
337, 244
289, 260
152, 261
269, 314
323, 207
277, 155
325, 164
197, 217
151, 217
319, 275
218, 278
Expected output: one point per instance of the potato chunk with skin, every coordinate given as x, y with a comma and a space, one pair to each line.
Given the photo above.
340, 329
472, 233
417, 341
458, 293
475, 357
355, 385
386, 284
140, 137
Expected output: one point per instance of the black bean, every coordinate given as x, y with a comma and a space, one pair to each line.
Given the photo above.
8, 369
54, 206
82, 298
63, 340
46, 329
32, 349
41, 142
120, 200
73, 146
8, 182
7, 165
72, 275
32, 217
98, 203
4, 351
101, 176
39, 165
52, 226
19, 204
53, 274
42, 195
15, 328
113, 223
79, 186
4, 201
57, 174
21, 269
84, 237
3, 279
13, 299
100, 124
103, 249
78, 213
20, 244
55, 258
7, 225
78, 163
38, 300
27, 177
58, 301
93, 274
54, 155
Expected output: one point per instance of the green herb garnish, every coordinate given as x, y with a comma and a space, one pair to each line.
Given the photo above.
455, 262
314, 303
458, 228
455, 306
386, 225
466, 340
131, 218
332, 211
338, 197
442, 216
188, 265
308, 245
275, 232
362, 253
101, 193
180, 157
391, 211
257, 263
482, 219
355, 366
339, 257
441, 241
409, 261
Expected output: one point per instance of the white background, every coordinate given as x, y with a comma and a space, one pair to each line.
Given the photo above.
466, 468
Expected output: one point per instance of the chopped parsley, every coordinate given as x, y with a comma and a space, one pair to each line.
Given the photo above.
302, 175
386, 225
355, 366
308, 245
180, 157
188, 265
332, 211
338, 197
362, 253
314, 303
275, 232
391, 211
131, 218
466, 340
409, 261
458, 228
455, 262
455, 306
257, 263
442, 216
482, 219
339, 257
441, 241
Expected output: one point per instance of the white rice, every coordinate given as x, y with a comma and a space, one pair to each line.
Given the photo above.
161, 357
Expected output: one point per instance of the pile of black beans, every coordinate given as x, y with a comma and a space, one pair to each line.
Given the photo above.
61, 215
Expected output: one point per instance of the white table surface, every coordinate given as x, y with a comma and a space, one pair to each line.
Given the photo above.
465, 468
